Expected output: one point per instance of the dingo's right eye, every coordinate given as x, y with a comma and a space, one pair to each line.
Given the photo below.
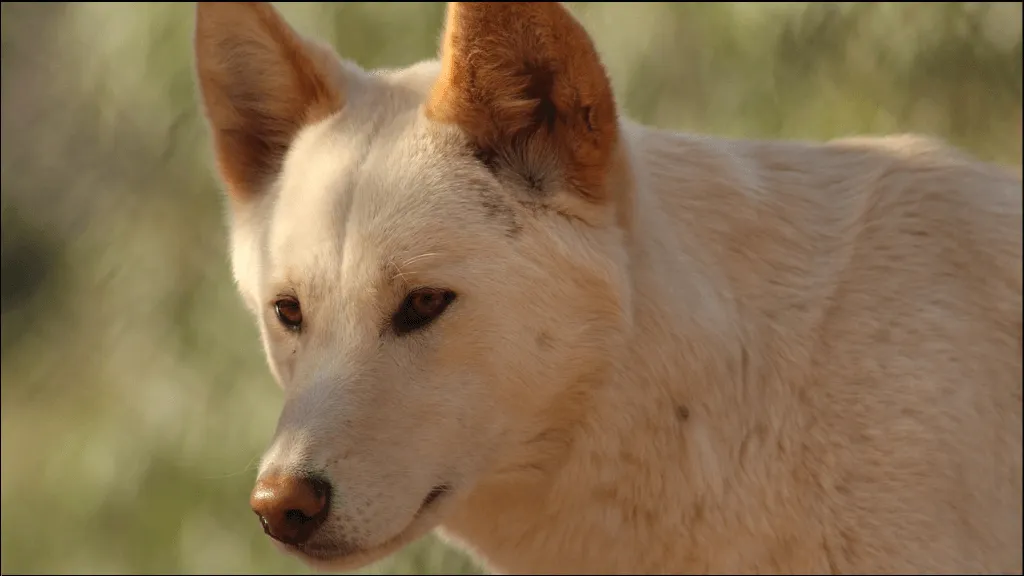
289, 312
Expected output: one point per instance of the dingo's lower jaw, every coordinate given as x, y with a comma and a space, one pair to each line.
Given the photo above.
332, 554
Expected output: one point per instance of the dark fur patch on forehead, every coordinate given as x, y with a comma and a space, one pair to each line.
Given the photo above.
528, 173
522, 182
498, 207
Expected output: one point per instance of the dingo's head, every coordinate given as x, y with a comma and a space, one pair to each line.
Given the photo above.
435, 257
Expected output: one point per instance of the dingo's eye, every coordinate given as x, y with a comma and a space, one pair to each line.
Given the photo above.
420, 308
289, 312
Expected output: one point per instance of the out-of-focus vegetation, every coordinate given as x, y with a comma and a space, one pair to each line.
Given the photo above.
135, 397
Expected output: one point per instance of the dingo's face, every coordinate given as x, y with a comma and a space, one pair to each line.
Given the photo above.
433, 257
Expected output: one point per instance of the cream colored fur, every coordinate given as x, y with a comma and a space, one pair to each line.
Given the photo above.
756, 357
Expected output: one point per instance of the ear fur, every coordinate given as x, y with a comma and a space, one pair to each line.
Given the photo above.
524, 81
260, 83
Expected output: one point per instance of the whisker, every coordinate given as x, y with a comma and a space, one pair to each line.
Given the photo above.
399, 273
248, 467
420, 257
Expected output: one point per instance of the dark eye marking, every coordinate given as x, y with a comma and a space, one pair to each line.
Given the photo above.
419, 308
289, 312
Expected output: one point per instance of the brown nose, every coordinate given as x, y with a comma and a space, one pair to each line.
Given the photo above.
290, 507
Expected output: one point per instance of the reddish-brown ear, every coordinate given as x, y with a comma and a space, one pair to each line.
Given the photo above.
524, 81
261, 83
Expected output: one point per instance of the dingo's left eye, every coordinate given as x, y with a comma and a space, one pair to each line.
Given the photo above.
420, 308
289, 312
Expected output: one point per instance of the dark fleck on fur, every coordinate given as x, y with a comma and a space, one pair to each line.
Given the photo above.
683, 413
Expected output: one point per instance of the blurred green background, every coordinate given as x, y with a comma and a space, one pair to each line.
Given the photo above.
135, 396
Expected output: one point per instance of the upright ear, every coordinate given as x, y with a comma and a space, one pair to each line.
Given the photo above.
261, 83
524, 81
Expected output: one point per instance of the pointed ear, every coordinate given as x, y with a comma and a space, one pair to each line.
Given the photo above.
261, 83
524, 81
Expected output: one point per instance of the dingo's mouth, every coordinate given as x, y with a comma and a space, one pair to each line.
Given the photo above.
438, 493
334, 557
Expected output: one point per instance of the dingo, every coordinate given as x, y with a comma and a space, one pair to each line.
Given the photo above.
577, 344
